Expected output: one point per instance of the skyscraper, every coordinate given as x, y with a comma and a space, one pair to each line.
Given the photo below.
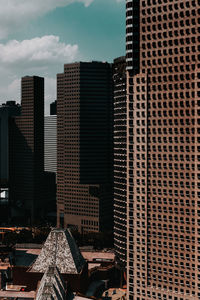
7, 110
163, 74
27, 152
50, 143
50, 165
84, 172
53, 108
120, 159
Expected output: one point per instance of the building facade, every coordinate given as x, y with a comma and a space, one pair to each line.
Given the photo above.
120, 159
163, 190
27, 153
50, 143
84, 170
7, 110
53, 108
50, 166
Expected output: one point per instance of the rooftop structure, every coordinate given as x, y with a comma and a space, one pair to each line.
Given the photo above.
114, 294
51, 286
59, 250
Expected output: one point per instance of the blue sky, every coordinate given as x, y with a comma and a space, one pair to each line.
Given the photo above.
39, 36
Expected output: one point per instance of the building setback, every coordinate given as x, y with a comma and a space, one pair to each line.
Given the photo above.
120, 159
27, 153
84, 171
163, 80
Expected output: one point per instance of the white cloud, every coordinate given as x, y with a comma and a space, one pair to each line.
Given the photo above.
44, 56
10, 90
16, 13
37, 52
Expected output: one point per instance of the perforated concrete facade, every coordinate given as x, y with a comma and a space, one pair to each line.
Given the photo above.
163, 80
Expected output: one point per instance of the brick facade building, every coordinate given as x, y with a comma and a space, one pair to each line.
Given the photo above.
163, 103
84, 170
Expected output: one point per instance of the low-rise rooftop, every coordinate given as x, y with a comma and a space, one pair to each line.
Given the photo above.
59, 250
17, 295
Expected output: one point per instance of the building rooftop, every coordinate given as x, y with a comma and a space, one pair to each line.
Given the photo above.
81, 298
52, 286
114, 294
25, 257
98, 256
17, 295
59, 250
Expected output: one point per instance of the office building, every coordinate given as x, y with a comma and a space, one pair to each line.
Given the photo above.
53, 108
50, 143
84, 170
120, 159
27, 153
7, 110
163, 149
50, 166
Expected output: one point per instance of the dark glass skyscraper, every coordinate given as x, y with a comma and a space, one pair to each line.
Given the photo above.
7, 110
53, 108
27, 153
84, 172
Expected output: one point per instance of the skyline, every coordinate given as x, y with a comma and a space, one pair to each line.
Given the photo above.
126, 143
38, 38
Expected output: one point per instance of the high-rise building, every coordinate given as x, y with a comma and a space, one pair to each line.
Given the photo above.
163, 80
53, 108
50, 143
7, 110
120, 159
50, 166
27, 152
84, 170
